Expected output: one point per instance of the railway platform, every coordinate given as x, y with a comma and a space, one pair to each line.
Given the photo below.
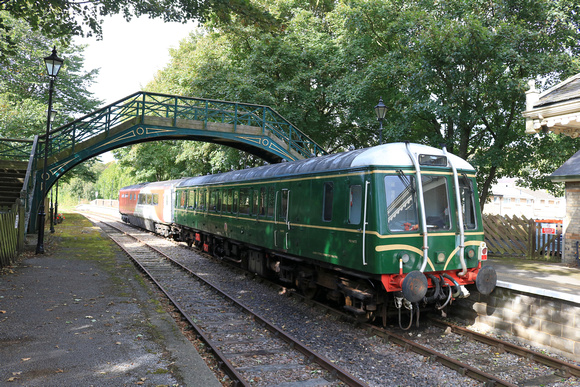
554, 280
81, 316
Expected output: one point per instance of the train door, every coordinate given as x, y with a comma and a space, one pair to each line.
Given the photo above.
282, 220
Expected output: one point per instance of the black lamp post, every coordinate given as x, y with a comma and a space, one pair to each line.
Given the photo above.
381, 110
53, 65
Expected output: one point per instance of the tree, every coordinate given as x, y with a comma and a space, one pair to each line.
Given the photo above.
24, 84
455, 72
451, 72
61, 19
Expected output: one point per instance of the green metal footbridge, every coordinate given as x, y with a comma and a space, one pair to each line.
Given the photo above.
144, 116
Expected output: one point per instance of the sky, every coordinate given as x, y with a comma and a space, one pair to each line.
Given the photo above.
130, 54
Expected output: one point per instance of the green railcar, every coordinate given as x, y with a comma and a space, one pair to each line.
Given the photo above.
386, 226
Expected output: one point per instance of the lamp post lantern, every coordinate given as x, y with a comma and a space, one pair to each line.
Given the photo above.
53, 64
381, 110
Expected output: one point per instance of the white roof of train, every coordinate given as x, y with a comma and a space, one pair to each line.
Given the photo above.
387, 155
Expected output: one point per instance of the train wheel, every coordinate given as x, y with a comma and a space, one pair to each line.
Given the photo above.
384, 313
365, 318
309, 292
189, 242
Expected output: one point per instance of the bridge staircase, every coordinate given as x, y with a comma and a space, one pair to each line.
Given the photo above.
17, 183
12, 175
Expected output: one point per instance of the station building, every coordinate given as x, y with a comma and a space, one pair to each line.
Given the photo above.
507, 198
557, 110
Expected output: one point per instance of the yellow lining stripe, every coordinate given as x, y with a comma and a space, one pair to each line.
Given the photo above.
356, 231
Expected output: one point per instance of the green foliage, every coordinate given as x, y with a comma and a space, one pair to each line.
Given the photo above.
24, 85
450, 72
61, 19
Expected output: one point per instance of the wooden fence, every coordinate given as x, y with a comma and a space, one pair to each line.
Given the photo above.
12, 234
523, 238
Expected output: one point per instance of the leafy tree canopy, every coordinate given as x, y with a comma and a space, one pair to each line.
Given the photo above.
24, 85
61, 19
451, 72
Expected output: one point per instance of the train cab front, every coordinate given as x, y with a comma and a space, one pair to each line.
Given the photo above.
434, 222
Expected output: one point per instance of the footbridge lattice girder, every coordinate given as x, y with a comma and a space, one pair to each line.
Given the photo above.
144, 116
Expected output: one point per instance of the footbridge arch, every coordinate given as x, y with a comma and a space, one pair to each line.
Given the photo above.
145, 116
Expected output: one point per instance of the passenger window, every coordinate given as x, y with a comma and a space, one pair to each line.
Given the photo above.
327, 202
255, 201
284, 204
235, 202
263, 201
182, 199
271, 202
148, 198
212, 200
355, 204
191, 203
155, 199
202, 200
245, 201
228, 199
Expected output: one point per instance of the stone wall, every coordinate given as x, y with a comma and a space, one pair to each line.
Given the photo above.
543, 320
572, 223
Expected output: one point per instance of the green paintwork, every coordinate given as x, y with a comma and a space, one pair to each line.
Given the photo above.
336, 241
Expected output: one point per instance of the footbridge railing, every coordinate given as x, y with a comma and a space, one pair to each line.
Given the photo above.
181, 112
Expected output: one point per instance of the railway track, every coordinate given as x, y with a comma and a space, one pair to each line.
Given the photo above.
251, 350
555, 369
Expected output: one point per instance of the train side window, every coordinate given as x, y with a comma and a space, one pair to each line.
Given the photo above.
148, 198
155, 199
245, 201
235, 202
212, 200
263, 201
401, 198
182, 199
219, 200
228, 199
202, 199
435, 193
355, 204
271, 202
327, 201
284, 204
255, 202
468, 203
141, 199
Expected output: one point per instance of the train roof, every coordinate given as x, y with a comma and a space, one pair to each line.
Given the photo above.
387, 155
165, 183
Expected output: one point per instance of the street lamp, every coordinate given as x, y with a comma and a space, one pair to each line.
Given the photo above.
53, 64
381, 110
